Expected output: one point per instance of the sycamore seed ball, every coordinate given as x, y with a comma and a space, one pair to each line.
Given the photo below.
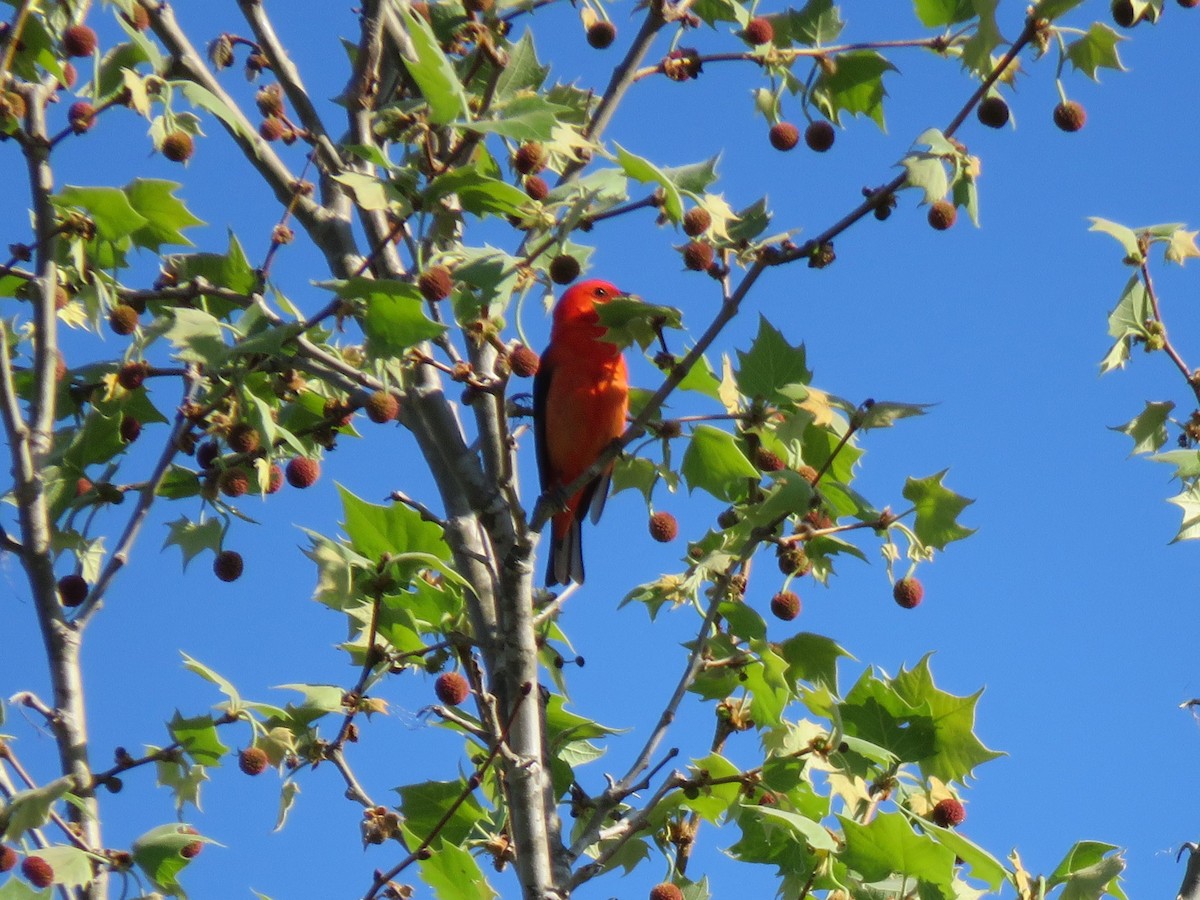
1070, 116
942, 215
451, 688
37, 871
784, 136
72, 590
564, 269
666, 891
948, 813
228, 565
697, 256
79, 40
993, 112
435, 283
696, 221
663, 527
523, 362
819, 136
759, 31
382, 406
785, 605
253, 760
908, 592
600, 35
123, 319
302, 472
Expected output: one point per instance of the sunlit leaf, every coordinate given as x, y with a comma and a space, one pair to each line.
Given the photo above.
713, 462
1149, 428
937, 510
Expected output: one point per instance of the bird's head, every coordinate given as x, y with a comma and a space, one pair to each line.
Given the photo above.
578, 304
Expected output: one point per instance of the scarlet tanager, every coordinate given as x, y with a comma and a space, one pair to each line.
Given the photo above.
580, 400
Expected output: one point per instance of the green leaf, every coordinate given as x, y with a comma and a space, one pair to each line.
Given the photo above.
714, 800
452, 874
977, 51
370, 192
813, 658
646, 172
196, 335
701, 379
818, 22
183, 780
634, 472
227, 688
713, 11
166, 215
97, 440
108, 207
1053, 9
938, 13
179, 483
1088, 872
1189, 502
714, 463
424, 805
630, 320
287, 799
522, 119
479, 194
854, 86
937, 510
523, 72
957, 751
395, 317
31, 808
319, 698
198, 738
157, 854
434, 73
393, 530
982, 864
883, 414
693, 178
16, 889
566, 727
888, 845
202, 98
1096, 49
1186, 462
72, 866
790, 495
875, 712
749, 223
772, 369
814, 834
230, 269
1149, 428
1181, 246
926, 172
1125, 236
1127, 321
193, 538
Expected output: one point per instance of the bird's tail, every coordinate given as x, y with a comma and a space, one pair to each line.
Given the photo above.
564, 563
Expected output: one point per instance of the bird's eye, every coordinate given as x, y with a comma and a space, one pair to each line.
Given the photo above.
601, 292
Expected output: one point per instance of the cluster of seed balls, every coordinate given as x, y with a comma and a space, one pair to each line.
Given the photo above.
300, 472
80, 41
785, 605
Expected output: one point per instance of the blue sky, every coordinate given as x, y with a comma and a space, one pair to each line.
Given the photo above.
1068, 605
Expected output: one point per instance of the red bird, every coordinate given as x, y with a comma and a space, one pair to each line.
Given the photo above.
580, 401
